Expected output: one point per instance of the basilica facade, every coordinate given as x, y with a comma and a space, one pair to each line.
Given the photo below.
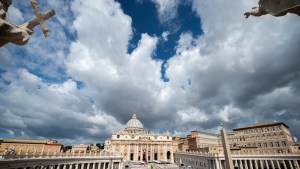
136, 144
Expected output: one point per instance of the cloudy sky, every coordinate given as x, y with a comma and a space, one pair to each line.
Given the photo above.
180, 65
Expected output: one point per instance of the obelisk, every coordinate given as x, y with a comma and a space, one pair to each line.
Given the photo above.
226, 149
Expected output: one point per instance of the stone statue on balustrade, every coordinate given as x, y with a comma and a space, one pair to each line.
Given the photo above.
275, 8
27, 151
5, 152
19, 34
12, 150
20, 152
34, 152
42, 153
48, 152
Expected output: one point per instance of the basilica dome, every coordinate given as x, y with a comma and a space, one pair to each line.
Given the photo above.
134, 123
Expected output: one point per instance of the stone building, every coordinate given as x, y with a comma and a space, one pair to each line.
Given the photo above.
267, 137
80, 148
260, 137
175, 141
30, 145
136, 144
183, 143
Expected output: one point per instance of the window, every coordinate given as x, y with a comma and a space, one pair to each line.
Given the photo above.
271, 144
283, 143
118, 136
277, 144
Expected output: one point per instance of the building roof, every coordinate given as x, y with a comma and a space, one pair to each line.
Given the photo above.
24, 141
265, 124
134, 123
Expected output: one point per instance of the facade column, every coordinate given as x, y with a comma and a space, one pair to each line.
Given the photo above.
82, 165
296, 162
94, 165
147, 152
255, 163
267, 164
136, 153
272, 164
211, 162
151, 152
99, 165
172, 154
88, 166
291, 165
104, 165
261, 164
241, 164
217, 163
165, 152
278, 164
220, 164
109, 165
112, 165
246, 165
235, 163
158, 153
141, 152
64, 166
76, 166
251, 165
284, 165
128, 152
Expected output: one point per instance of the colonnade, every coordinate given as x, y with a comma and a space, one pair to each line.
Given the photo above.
260, 164
216, 161
112, 162
95, 165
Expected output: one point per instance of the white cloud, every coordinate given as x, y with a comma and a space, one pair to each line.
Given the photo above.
167, 9
192, 114
165, 35
238, 66
38, 109
228, 111
14, 15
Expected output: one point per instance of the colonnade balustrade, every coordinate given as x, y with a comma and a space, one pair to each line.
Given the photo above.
81, 160
246, 161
